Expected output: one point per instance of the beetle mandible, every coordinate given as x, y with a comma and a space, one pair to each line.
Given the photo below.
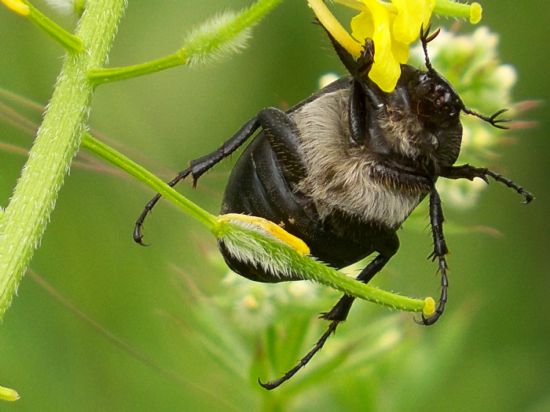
343, 169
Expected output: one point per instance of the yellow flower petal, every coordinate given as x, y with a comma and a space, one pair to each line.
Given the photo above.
334, 27
17, 6
8, 394
394, 25
411, 15
362, 26
386, 69
400, 51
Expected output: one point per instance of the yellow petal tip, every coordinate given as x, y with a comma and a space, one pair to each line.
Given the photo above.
7, 394
271, 228
329, 22
429, 307
17, 6
476, 13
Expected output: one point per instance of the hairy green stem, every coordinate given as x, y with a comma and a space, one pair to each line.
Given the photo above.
253, 243
106, 75
26, 216
261, 249
207, 42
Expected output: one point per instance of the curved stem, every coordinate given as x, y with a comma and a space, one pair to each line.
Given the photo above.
256, 244
68, 40
106, 75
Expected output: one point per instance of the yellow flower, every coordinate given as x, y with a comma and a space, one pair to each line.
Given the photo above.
392, 27
17, 6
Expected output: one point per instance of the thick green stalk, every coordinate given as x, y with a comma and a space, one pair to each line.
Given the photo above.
57, 141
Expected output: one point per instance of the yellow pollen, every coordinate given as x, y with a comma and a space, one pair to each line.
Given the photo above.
429, 307
274, 230
475, 13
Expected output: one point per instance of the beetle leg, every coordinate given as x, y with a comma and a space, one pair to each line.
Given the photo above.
198, 168
279, 129
470, 172
340, 311
440, 250
281, 132
357, 113
363, 108
337, 314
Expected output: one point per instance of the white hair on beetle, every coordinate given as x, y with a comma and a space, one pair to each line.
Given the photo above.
202, 45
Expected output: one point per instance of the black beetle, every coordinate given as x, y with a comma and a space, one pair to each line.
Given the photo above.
343, 169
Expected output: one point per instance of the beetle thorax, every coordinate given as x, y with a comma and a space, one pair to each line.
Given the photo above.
345, 177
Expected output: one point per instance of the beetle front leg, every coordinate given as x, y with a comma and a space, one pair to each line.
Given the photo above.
439, 252
470, 172
198, 168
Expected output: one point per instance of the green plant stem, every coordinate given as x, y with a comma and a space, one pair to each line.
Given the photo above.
27, 214
307, 267
311, 269
68, 40
202, 46
453, 8
449, 8
106, 75
111, 155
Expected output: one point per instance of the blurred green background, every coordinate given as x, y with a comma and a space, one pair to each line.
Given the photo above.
490, 352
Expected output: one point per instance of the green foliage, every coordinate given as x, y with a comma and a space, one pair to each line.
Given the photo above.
484, 355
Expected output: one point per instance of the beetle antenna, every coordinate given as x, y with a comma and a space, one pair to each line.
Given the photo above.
304, 361
493, 120
425, 38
